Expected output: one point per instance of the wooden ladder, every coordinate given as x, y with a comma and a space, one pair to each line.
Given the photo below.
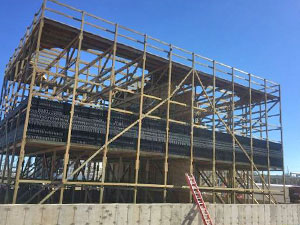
198, 199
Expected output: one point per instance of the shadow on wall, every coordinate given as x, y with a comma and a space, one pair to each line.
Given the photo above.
190, 217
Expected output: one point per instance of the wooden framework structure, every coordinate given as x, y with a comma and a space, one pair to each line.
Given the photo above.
69, 55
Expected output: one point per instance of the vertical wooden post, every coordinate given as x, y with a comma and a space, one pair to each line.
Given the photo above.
281, 140
6, 153
66, 157
7, 108
233, 197
120, 171
147, 179
9, 178
260, 122
214, 134
267, 137
23, 143
246, 121
261, 137
166, 165
112, 83
251, 136
137, 162
192, 122
6, 148
248, 185
263, 187
3, 90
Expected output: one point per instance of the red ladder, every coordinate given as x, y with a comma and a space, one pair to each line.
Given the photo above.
198, 199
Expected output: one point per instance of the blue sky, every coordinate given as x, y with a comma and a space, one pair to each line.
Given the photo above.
261, 37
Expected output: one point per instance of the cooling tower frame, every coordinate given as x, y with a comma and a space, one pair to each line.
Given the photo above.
69, 55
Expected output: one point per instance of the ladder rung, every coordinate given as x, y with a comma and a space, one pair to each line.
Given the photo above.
198, 199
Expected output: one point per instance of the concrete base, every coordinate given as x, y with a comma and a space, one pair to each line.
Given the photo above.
150, 214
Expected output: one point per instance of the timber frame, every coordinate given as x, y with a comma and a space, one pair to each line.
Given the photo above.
69, 55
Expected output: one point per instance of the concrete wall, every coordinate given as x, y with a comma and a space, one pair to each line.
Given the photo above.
150, 214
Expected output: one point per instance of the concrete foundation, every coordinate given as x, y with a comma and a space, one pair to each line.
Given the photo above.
150, 214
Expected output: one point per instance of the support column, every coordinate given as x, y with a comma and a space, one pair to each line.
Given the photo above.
233, 196
192, 122
263, 188
112, 83
248, 186
281, 138
251, 137
267, 137
66, 157
5, 167
137, 162
120, 172
214, 134
166, 166
147, 179
9, 178
32, 83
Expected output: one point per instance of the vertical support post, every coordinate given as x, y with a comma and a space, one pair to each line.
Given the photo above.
246, 121
251, 137
260, 122
228, 181
86, 188
261, 137
192, 122
112, 83
146, 180
214, 134
120, 170
7, 163
248, 185
267, 138
243, 176
53, 160
32, 82
263, 187
281, 139
16, 128
233, 197
7, 152
66, 156
7, 102
166, 165
53, 166
137, 162
3, 90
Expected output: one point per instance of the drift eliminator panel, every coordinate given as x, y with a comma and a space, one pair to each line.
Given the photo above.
49, 121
